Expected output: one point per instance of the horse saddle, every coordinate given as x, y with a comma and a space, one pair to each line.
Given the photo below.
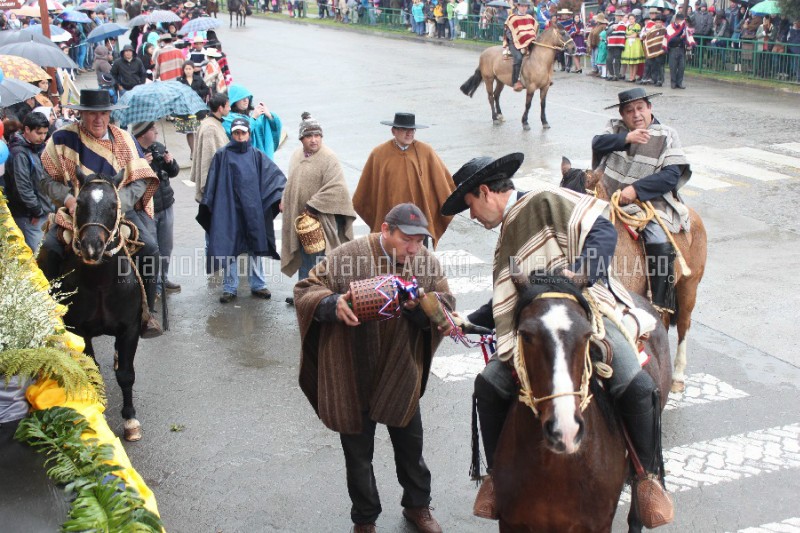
65, 231
638, 325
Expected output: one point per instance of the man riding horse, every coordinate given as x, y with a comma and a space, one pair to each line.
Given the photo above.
96, 147
518, 34
550, 229
643, 160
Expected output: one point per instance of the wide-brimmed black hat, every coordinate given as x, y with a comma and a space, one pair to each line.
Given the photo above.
476, 172
631, 95
404, 120
95, 100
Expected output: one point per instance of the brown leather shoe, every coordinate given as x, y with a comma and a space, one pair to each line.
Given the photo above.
364, 528
422, 518
151, 329
484, 506
518, 86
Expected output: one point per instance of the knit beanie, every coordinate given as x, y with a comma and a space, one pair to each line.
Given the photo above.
309, 125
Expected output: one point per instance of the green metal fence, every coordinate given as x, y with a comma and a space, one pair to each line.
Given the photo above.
747, 58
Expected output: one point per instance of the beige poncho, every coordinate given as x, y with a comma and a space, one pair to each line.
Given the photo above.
209, 138
318, 182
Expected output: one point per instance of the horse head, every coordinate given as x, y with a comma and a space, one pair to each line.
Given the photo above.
556, 37
582, 181
97, 215
553, 332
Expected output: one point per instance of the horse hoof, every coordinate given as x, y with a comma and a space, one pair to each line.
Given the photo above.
526, 127
501, 118
545, 126
678, 386
496, 122
132, 430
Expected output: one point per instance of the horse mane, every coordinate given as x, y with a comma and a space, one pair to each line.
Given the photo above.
541, 283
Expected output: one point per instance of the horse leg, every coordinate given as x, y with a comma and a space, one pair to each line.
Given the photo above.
543, 102
634, 523
490, 94
498, 89
125, 346
528, 98
231, 14
686, 297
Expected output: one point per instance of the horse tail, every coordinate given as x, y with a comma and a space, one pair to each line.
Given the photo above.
471, 85
475, 465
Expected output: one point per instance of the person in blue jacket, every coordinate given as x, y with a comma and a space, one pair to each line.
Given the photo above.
265, 126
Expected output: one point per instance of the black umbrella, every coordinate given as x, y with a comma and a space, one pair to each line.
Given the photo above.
8, 37
14, 91
42, 54
498, 3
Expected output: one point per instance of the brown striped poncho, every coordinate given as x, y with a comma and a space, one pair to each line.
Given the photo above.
545, 231
380, 367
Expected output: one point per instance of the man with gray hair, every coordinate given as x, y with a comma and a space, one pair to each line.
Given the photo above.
315, 187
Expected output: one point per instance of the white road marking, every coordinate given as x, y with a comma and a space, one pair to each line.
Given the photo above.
768, 157
188, 183
789, 147
701, 389
721, 162
471, 284
707, 183
790, 525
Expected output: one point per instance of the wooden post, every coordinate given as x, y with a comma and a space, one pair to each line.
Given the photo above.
45, 16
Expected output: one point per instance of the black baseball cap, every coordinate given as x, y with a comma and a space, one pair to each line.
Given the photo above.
409, 219
240, 124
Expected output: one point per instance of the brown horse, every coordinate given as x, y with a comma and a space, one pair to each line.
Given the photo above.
630, 265
559, 468
238, 9
494, 69
212, 8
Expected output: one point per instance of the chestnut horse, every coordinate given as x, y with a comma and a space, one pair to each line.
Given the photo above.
559, 468
494, 69
630, 263
238, 9
212, 8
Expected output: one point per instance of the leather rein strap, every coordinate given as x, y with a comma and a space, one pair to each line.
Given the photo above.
526, 394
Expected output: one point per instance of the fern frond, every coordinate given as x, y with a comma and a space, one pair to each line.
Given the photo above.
77, 374
102, 506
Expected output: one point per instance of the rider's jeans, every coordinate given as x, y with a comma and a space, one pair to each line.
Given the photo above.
653, 233
33, 232
256, 276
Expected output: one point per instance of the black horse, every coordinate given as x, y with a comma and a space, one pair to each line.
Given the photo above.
240, 9
107, 297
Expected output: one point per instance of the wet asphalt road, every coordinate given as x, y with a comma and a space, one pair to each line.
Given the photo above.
251, 456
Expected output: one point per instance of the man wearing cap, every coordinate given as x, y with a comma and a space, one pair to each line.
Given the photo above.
168, 60
97, 147
165, 167
519, 31
240, 202
563, 232
644, 160
128, 71
316, 187
359, 374
403, 170
209, 138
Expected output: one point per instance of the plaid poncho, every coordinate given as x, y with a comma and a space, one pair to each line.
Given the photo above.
545, 231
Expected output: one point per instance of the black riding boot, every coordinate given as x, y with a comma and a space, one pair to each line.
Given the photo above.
515, 70
661, 271
640, 409
149, 269
492, 410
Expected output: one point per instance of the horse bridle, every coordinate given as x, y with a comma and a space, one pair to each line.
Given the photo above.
562, 44
526, 394
112, 233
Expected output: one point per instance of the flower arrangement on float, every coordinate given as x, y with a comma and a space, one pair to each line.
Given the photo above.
67, 398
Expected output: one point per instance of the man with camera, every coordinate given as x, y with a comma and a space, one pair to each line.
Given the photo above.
165, 167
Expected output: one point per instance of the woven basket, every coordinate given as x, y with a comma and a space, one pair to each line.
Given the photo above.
310, 233
368, 301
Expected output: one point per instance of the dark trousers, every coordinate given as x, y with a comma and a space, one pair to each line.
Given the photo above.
677, 64
654, 68
614, 62
412, 473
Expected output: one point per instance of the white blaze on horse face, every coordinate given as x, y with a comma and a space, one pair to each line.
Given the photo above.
97, 195
557, 320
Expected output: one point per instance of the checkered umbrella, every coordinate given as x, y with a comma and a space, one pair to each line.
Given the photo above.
200, 24
156, 100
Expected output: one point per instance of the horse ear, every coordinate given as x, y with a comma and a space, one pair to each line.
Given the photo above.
80, 176
566, 165
117, 180
518, 277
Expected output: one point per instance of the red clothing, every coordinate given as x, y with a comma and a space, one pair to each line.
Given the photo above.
169, 63
616, 35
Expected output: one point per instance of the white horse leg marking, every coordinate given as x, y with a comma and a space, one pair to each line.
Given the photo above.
680, 362
556, 320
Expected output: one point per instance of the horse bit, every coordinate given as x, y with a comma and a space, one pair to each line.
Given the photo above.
112, 234
526, 394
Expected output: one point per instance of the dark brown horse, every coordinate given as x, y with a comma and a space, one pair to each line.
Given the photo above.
212, 8
238, 9
629, 259
494, 69
559, 468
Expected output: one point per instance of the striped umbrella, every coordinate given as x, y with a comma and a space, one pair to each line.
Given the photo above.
154, 101
660, 4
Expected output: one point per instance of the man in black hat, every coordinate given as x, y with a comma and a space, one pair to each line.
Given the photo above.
403, 170
569, 232
98, 147
359, 374
644, 160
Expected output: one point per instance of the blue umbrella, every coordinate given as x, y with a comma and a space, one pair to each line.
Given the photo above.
154, 101
106, 31
37, 29
200, 24
75, 16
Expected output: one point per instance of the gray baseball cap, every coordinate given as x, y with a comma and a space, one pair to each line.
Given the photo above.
409, 219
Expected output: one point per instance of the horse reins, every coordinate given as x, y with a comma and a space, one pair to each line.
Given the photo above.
562, 43
112, 234
526, 394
